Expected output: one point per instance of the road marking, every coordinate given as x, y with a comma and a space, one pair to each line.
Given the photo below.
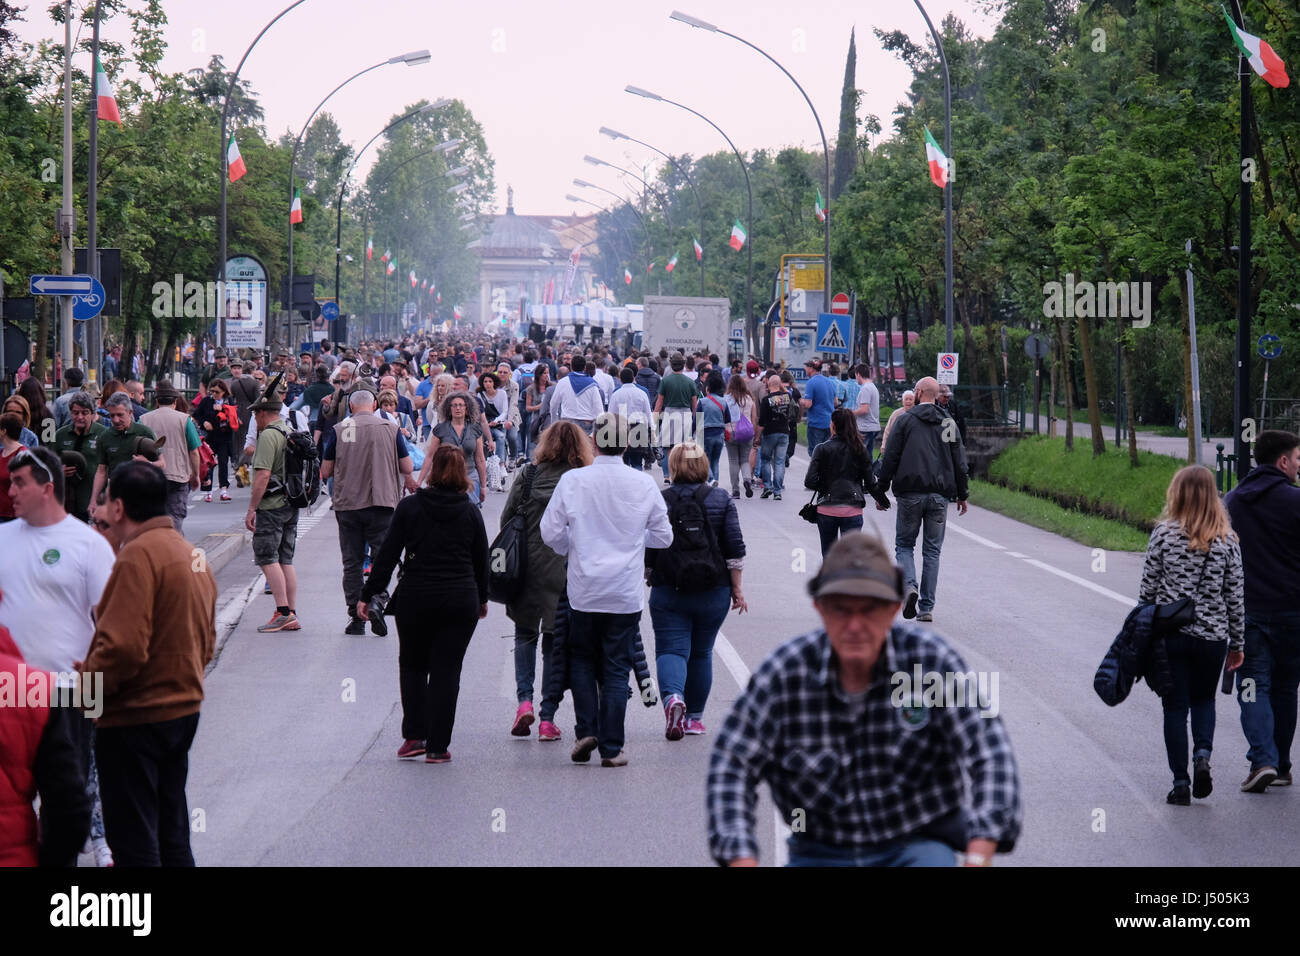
1015, 554
974, 537
740, 673
1104, 592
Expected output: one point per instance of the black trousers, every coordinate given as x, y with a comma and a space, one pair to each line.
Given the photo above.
358, 528
219, 442
431, 645
142, 771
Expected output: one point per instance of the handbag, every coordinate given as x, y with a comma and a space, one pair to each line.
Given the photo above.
207, 458
508, 553
1176, 615
809, 511
744, 430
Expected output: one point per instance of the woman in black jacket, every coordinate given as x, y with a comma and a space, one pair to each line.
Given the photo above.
692, 586
214, 416
842, 477
446, 567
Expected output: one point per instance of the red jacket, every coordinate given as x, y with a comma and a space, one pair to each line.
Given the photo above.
42, 750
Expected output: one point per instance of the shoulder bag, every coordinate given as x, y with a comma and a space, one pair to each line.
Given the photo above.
508, 553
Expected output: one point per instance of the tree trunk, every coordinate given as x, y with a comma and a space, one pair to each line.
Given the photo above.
969, 345
1131, 414
1090, 387
1067, 380
1051, 388
42, 336
1188, 405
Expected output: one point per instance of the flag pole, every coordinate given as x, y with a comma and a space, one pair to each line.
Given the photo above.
947, 189
1241, 392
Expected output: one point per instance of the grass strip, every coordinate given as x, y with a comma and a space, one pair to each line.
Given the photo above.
1089, 530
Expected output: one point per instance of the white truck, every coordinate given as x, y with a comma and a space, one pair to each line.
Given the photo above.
690, 323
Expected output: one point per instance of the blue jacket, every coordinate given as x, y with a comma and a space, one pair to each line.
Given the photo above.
1138, 651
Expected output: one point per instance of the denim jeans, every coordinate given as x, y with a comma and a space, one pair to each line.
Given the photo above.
830, 527
914, 512
1273, 662
815, 437
714, 440
1195, 664
869, 441
600, 658
900, 852
526, 669
498, 443
772, 465
524, 425
513, 438
686, 624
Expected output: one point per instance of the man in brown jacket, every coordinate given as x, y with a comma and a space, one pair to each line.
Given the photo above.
154, 635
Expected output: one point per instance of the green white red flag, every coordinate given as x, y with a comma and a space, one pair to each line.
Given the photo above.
392, 267
414, 280
672, 263
650, 267
699, 249
818, 209
234, 162
370, 249
738, 236
295, 211
106, 102
1261, 56
627, 277
388, 254
937, 160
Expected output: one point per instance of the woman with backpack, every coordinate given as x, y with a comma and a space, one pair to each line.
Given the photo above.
842, 477
740, 441
562, 448
716, 419
693, 583
445, 545
1193, 552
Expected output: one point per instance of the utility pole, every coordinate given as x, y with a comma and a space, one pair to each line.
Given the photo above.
66, 218
94, 337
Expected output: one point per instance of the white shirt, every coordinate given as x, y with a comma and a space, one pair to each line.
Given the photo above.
603, 517
584, 407
630, 401
51, 578
606, 382
297, 420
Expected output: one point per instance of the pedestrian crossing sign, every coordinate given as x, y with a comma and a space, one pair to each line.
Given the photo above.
832, 333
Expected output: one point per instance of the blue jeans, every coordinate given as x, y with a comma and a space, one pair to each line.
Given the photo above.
830, 528
524, 440
600, 658
915, 511
526, 669
869, 441
772, 463
498, 443
1273, 662
686, 624
815, 437
714, 442
1195, 664
900, 852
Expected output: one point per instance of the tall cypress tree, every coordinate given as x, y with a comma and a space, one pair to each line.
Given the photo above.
846, 151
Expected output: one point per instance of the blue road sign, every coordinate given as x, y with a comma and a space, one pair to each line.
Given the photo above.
91, 304
1270, 346
832, 333
329, 310
62, 285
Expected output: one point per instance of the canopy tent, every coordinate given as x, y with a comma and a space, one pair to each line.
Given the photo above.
588, 316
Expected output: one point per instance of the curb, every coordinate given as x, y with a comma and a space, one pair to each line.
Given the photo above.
220, 547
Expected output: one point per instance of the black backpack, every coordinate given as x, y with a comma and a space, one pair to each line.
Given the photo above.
301, 469
693, 562
508, 553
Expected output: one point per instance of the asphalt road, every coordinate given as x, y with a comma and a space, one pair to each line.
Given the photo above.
294, 762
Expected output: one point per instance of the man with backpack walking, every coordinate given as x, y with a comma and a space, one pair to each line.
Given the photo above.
271, 517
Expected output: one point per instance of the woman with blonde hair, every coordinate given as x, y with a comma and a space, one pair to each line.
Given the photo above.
562, 448
1193, 552
18, 405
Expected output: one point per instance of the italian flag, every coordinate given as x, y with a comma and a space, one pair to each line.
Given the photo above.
104, 96
414, 280
370, 249
650, 267
388, 254
1261, 56
818, 209
699, 249
439, 298
738, 236
627, 277
672, 263
392, 267
937, 160
455, 310
295, 211
424, 284
234, 161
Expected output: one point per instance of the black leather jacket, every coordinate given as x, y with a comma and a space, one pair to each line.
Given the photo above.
839, 477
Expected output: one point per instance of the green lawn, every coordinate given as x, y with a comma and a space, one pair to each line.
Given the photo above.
1106, 485
1090, 530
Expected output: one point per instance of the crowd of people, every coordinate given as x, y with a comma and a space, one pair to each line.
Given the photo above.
413, 435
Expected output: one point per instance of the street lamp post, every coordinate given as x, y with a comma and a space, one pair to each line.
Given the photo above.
615, 134
410, 59
663, 198
627, 238
750, 323
826, 153
225, 175
947, 189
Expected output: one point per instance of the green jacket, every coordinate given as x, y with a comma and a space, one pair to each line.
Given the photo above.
90, 446
546, 570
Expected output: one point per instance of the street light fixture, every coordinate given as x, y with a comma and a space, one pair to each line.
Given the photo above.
826, 153
616, 135
626, 238
410, 59
457, 189
751, 322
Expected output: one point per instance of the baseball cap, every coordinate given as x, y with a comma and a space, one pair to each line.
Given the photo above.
858, 565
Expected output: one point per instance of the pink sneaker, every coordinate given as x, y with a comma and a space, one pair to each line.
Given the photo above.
694, 726
674, 715
523, 719
547, 731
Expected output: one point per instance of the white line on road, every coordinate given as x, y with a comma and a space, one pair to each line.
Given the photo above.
740, 673
974, 537
1104, 592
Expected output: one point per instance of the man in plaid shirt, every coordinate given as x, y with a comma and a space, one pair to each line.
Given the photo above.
865, 768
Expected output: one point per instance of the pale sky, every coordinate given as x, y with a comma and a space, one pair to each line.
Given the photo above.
543, 78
